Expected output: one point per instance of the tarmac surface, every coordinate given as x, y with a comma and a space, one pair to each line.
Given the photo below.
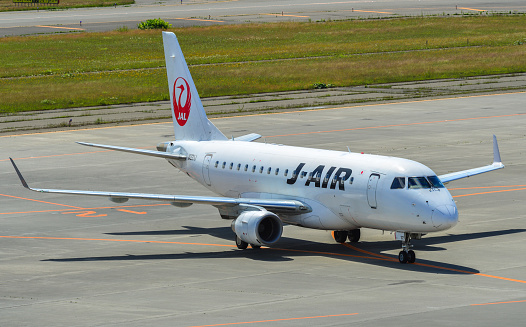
213, 12
80, 261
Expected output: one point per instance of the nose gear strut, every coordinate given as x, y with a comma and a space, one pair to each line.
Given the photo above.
407, 255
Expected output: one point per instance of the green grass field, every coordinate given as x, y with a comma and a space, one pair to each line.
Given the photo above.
8, 5
85, 69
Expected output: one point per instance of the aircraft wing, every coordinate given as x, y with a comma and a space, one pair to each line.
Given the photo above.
152, 153
497, 164
276, 205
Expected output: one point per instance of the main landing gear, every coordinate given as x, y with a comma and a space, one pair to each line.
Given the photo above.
242, 245
341, 236
406, 255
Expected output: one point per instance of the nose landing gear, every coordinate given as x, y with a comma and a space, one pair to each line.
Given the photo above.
406, 255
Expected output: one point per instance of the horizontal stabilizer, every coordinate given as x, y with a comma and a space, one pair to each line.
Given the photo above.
152, 153
247, 138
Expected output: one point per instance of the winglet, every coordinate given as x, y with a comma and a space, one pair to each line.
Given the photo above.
496, 152
20, 175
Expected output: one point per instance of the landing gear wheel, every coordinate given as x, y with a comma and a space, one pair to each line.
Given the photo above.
407, 255
340, 236
411, 256
353, 235
255, 247
403, 257
240, 243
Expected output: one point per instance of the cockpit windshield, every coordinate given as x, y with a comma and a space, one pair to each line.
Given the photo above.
398, 183
435, 181
418, 182
413, 183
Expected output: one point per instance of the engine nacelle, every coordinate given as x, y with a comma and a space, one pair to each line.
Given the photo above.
258, 227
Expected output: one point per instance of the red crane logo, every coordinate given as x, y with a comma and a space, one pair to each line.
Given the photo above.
181, 92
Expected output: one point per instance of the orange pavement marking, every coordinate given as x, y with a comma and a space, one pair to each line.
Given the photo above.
471, 9
97, 208
375, 12
85, 129
58, 155
481, 187
39, 211
64, 28
329, 253
397, 125
376, 256
499, 191
272, 113
201, 20
367, 252
85, 214
274, 320
285, 15
363, 105
57, 204
507, 302
439, 267
110, 240
135, 212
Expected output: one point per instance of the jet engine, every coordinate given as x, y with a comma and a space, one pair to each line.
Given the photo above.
258, 227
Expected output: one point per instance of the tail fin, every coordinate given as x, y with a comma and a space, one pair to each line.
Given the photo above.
189, 116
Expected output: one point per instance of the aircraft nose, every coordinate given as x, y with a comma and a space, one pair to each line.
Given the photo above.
444, 217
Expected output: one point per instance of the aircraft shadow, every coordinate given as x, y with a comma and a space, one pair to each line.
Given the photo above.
288, 249
466, 237
218, 232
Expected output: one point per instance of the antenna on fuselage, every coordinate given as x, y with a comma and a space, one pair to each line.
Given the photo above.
348, 149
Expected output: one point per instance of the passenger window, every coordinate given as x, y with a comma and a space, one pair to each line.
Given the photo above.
351, 180
295, 174
398, 183
224, 164
231, 165
286, 172
254, 168
327, 176
303, 174
269, 169
277, 171
238, 166
418, 183
246, 167
217, 163
261, 169
435, 181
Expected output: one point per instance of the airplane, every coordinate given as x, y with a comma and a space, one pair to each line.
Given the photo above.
262, 186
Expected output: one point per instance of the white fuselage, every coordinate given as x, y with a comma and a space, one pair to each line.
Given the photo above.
344, 190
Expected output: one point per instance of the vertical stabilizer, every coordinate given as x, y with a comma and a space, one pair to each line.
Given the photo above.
189, 117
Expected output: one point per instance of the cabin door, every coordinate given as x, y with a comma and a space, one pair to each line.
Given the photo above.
371, 190
206, 168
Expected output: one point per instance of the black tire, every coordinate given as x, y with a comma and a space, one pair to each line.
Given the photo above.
403, 256
240, 243
340, 236
411, 256
255, 247
353, 235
